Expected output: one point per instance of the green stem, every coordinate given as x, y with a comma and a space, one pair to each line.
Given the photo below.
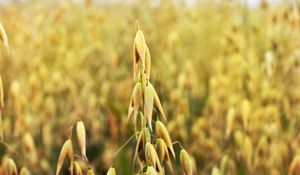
121, 148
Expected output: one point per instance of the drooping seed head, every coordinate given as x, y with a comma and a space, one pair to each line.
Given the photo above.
140, 122
77, 170
157, 102
163, 133
66, 152
229, 121
151, 171
10, 167
161, 149
81, 138
135, 101
111, 171
148, 106
147, 63
24, 171
295, 166
3, 36
215, 171
90, 172
29, 148
185, 162
139, 53
246, 109
150, 154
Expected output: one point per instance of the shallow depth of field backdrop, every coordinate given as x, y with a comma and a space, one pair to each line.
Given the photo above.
227, 74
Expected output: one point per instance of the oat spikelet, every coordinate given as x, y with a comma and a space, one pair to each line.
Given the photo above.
151, 171
135, 102
3, 36
157, 102
90, 172
66, 151
29, 148
148, 108
229, 121
293, 166
111, 171
77, 170
139, 51
81, 138
163, 133
215, 171
24, 171
163, 153
152, 157
185, 162
10, 167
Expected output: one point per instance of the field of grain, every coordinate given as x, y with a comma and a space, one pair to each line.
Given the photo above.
168, 87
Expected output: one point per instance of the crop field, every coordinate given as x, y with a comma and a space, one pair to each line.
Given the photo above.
141, 87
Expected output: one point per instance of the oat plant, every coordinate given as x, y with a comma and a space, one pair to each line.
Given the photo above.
154, 150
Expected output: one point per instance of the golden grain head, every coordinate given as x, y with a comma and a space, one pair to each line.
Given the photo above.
29, 148
157, 102
66, 152
151, 171
81, 138
161, 149
135, 101
148, 106
3, 36
10, 167
216, 171
150, 154
76, 168
229, 121
111, 171
90, 172
185, 162
24, 171
163, 133
294, 166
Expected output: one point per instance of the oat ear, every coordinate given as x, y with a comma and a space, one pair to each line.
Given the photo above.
185, 162
160, 149
10, 167
163, 133
76, 168
293, 166
229, 122
215, 171
157, 102
24, 171
90, 172
111, 171
81, 138
151, 171
135, 102
147, 63
66, 152
151, 157
3, 36
148, 108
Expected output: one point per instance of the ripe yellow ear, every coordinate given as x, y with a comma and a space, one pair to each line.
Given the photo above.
3, 36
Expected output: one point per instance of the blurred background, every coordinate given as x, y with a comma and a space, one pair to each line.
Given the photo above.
226, 71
